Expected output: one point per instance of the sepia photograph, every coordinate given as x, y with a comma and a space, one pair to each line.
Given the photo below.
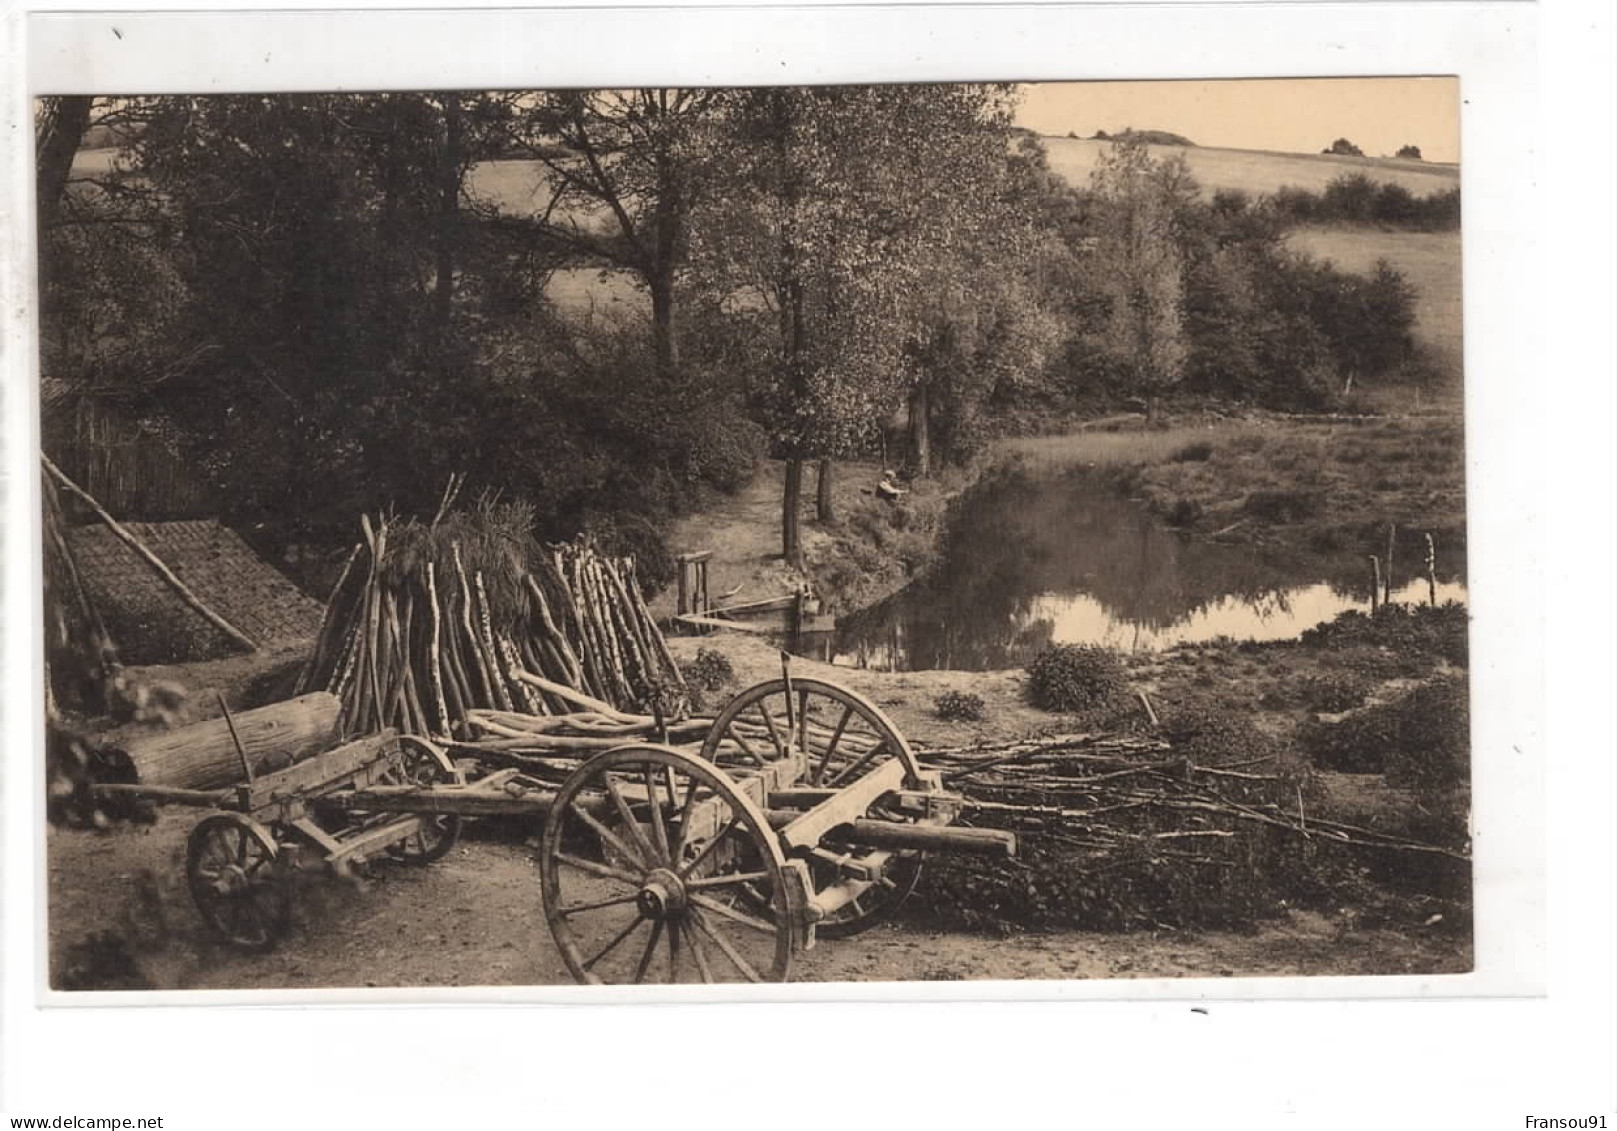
907, 533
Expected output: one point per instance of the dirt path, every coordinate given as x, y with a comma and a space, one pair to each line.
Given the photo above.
743, 532
475, 919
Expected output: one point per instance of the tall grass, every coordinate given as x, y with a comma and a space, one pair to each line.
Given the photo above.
1110, 449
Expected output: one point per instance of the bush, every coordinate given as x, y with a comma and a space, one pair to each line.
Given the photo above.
1333, 692
709, 671
1421, 740
1433, 752
1074, 677
958, 706
1198, 452
1184, 512
1414, 632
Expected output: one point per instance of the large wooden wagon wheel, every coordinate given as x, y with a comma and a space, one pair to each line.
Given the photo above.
658, 868
233, 868
425, 764
840, 736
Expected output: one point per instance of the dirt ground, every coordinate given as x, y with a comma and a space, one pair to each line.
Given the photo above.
475, 919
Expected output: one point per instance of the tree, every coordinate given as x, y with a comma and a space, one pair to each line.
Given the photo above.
322, 245
627, 168
59, 126
1349, 198
845, 202
1409, 152
991, 322
1140, 264
1344, 148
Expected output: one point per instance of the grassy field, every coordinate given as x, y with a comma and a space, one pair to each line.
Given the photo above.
1317, 487
1429, 260
1257, 171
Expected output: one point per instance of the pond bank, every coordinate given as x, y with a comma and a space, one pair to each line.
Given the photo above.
1320, 493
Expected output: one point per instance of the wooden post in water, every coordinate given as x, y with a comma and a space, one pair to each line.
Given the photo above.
1375, 582
1392, 534
1431, 567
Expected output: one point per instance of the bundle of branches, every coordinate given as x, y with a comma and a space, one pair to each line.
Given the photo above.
431, 622
1126, 831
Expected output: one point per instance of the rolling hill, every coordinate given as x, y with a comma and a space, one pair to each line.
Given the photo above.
1257, 171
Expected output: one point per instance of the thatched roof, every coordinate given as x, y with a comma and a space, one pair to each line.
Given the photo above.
153, 626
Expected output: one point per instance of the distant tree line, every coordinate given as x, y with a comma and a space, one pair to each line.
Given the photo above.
1354, 198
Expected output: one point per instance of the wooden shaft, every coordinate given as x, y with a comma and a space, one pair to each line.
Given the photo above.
168, 795
942, 838
235, 739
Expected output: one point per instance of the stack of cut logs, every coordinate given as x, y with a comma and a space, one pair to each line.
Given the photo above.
430, 623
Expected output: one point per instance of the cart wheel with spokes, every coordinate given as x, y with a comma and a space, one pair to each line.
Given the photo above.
657, 867
233, 868
424, 763
840, 736
876, 903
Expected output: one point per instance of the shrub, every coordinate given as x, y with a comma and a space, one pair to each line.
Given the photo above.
1184, 512
707, 676
958, 706
1415, 632
1198, 452
709, 671
1433, 752
1210, 735
1074, 677
1333, 692
1421, 740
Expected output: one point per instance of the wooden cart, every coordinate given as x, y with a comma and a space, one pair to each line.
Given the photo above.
802, 813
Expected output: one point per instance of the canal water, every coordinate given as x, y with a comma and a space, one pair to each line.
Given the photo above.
1035, 557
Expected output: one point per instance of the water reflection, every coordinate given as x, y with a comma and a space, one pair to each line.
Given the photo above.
1034, 559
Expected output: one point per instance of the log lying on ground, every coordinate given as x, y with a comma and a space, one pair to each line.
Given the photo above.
203, 755
432, 623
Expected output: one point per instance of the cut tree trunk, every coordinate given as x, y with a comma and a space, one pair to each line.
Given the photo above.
203, 755
791, 529
824, 505
921, 430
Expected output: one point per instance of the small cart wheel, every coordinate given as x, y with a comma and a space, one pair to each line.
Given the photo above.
657, 867
233, 868
425, 764
877, 902
839, 733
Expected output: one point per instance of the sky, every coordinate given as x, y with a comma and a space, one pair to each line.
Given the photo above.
1379, 115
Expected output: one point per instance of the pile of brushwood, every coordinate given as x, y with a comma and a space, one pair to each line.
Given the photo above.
432, 622
1126, 831
1116, 830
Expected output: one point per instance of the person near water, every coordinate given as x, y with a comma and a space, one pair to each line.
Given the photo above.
888, 488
